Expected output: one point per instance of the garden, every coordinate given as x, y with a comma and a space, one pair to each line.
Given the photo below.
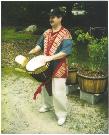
88, 72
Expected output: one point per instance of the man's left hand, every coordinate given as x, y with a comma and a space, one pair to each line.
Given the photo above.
48, 58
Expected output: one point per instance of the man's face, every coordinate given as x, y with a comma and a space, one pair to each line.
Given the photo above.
54, 20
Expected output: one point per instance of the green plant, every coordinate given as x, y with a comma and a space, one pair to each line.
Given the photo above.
10, 33
98, 55
82, 41
83, 38
89, 52
72, 57
80, 47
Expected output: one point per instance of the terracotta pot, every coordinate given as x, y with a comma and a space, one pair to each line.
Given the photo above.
72, 77
95, 85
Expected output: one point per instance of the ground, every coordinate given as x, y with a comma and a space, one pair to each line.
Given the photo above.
20, 112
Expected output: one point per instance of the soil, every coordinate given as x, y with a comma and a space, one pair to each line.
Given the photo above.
92, 74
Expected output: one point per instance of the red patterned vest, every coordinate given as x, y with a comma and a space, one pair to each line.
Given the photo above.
51, 43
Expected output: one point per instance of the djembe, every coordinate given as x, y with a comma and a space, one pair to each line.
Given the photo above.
39, 70
36, 67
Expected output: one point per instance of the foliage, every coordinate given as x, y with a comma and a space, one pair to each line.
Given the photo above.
98, 54
36, 12
80, 47
72, 57
89, 52
83, 38
10, 33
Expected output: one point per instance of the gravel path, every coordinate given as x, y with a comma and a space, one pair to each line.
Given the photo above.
19, 110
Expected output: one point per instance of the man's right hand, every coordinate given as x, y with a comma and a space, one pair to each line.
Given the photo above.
32, 51
35, 50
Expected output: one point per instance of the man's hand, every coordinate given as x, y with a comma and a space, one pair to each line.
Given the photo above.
55, 57
48, 58
35, 50
31, 52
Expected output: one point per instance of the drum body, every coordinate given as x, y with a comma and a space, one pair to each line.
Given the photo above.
36, 67
43, 76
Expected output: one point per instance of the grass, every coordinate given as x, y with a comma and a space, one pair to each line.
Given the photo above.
10, 33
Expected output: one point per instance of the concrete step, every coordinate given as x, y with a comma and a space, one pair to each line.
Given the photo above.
92, 98
71, 88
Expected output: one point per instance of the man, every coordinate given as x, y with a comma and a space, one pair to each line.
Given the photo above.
57, 45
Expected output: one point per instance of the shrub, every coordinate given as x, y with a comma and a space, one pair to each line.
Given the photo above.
89, 52
98, 54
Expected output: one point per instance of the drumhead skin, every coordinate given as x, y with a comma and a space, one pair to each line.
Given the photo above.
35, 63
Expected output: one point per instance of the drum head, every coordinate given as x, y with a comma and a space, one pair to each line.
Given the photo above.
35, 63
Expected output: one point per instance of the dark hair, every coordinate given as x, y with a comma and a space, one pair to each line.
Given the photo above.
56, 12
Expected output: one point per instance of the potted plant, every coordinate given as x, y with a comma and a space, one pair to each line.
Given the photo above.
82, 41
73, 67
80, 53
72, 74
92, 77
82, 38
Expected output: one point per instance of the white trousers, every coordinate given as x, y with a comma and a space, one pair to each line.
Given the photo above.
58, 100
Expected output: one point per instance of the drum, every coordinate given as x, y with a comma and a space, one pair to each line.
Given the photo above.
36, 67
